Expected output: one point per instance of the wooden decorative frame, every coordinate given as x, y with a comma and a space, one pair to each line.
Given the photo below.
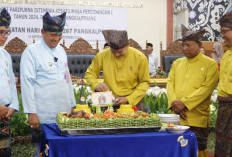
80, 46
134, 44
15, 45
175, 48
208, 47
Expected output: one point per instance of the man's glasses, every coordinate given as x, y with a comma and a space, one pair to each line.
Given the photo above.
224, 31
3, 32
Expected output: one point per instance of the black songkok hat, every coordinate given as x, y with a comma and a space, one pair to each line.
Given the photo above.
106, 44
191, 35
5, 18
116, 39
150, 44
55, 23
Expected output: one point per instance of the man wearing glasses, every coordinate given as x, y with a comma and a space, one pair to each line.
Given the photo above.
223, 145
8, 93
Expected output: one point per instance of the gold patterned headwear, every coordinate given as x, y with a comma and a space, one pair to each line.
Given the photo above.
5, 18
116, 39
55, 23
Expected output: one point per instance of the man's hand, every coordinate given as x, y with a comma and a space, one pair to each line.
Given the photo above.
101, 87
10, 112
177, 106
3, 112
120, 100
34, 121
183, 114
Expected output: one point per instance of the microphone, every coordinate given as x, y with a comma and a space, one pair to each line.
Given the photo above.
55, 59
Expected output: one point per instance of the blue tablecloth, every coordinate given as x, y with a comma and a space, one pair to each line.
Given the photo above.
149, 144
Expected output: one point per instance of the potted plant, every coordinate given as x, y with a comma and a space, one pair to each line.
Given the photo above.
160, 73
19, 124
156, 100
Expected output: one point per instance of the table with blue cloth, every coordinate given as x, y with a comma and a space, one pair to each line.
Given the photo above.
147, 144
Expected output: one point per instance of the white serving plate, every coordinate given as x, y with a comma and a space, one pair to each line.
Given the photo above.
172, 118
179, 129
168, 115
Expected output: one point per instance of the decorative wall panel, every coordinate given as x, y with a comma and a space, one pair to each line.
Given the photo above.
204, 14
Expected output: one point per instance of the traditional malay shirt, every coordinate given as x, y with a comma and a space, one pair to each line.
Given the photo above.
223, 125
8, 92
125, 76
7, 82
45, 81
192, 80
225, 85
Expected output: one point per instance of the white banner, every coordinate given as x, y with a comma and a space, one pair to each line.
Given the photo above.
81, 22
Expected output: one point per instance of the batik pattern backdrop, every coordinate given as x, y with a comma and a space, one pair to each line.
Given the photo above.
179, 5
204, 14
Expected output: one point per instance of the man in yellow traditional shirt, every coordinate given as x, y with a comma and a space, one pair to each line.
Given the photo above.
191, 82
125, 70
223, 147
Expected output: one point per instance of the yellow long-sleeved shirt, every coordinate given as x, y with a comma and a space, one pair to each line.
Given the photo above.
225, 82
126, 76
193, 81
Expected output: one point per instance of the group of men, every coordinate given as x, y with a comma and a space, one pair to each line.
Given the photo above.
191, 82
46, 85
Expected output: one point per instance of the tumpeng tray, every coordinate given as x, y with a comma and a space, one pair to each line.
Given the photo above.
102, 131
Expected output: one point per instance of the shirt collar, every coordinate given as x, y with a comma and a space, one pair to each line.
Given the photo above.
123, 57
194, 59
47, 47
